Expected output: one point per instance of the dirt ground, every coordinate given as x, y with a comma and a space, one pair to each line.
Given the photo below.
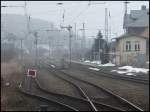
55, 84
11, 99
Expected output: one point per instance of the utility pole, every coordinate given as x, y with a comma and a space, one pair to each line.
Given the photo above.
63, 16
75, 41
36, 42
75, 30
21, 50
50, 43
26, 16
126, 7
106, 25
49, 46
109, 25
84, 40
99, 49
83, 43
69, 29
106, 34
125, 14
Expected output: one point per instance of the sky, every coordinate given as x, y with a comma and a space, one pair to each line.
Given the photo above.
78, 12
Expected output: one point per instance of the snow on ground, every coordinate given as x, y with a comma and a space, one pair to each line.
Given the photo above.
107, 64
118, 71
132, 69
130, 74
53, 66
99, 63
44, 46
93, 62
129, 70
96, 62
87, 61
96, 69
123, 72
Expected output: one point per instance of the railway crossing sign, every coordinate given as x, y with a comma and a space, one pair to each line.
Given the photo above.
31, 73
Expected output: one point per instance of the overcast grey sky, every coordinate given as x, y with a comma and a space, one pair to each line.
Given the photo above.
78, 12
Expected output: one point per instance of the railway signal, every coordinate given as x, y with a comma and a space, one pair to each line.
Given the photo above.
32, 73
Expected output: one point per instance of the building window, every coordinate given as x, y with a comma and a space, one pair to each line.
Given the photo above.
137, 46
128, 46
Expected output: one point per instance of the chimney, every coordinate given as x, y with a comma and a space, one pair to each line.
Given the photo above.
143, 7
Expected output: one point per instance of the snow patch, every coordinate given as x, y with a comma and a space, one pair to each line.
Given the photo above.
87, 61
123, 72
96, 69
44, 46
96, 62
107, 64
130, 74
53, 66
129, 70
118, 71
136, 70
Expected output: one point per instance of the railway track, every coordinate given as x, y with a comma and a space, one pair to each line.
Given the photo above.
90, 90
112, 75
88, 104
52, 104
67, 102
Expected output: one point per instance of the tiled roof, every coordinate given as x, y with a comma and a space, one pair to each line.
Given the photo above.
137, 18
128, 35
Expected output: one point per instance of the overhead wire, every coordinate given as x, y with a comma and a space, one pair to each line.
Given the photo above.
48, 11
85, 9
89, 4
59, 3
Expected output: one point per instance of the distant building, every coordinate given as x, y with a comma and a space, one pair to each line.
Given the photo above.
130, 50
137, 21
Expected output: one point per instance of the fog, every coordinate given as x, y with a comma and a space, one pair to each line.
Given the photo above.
46, 18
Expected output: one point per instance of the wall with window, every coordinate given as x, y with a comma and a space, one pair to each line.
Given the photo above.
131, 50
131, 46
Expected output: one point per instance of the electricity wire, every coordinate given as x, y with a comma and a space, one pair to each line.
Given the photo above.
85, 9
